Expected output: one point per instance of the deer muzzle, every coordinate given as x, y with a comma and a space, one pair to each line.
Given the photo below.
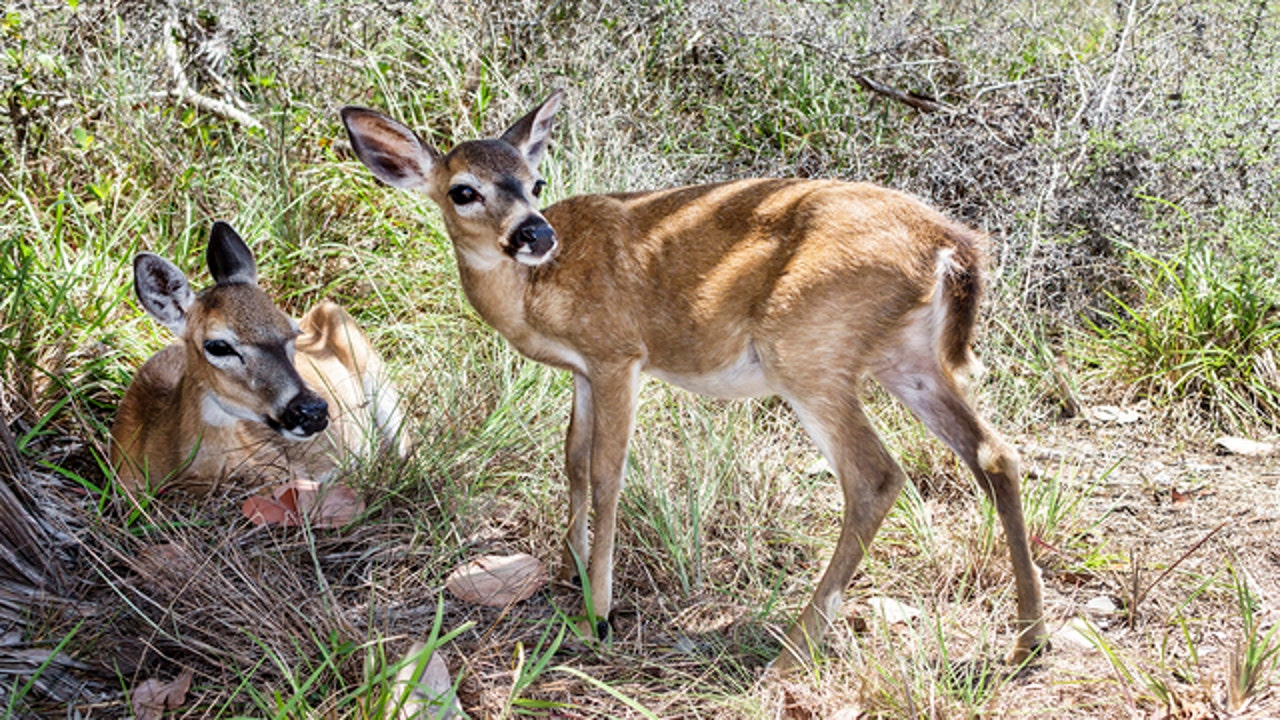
532, 241
305, 415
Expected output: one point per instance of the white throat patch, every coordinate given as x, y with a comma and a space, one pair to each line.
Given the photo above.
217, 413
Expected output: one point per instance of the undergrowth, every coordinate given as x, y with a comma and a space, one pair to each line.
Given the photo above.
1203, 330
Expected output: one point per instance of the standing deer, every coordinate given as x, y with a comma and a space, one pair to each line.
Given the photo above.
247, 395
796, 288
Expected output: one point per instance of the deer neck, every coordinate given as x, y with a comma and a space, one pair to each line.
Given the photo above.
507, 296
496, 288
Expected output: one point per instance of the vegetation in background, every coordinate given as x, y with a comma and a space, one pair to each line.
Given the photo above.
1052, 125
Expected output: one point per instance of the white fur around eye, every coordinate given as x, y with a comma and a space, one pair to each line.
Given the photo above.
226, 362
471, 209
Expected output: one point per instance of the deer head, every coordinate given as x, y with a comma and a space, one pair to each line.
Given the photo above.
239, 345
486, 189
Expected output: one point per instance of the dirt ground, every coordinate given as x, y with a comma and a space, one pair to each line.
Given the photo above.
1179, 511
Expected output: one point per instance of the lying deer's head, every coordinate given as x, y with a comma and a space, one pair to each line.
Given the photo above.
486, 189
239, 345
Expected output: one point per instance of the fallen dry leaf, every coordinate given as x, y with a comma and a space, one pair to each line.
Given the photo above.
325, 506
427, 690
497, 580
1101, 606
1110, 414
892, 611
260, 510
152, 698
331, 505
1076, 633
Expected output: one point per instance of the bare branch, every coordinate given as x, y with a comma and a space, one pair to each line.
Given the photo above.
919, 102
183, 91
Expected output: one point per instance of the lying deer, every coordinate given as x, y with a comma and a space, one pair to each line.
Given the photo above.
248, 395
796, 288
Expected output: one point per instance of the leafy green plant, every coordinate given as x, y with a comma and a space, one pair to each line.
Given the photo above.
530, 666
1206, 330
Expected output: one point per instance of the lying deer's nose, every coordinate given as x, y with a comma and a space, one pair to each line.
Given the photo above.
307, 413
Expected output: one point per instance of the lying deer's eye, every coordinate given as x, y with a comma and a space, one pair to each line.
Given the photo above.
538, 185
463, 194
219, 348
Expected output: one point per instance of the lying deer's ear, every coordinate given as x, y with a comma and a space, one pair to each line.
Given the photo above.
163, 291
529, 134
392, 152
230, 259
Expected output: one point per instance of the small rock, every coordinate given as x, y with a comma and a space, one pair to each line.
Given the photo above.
1244, 446
1101, 606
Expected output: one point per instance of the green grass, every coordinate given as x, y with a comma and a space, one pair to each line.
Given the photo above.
1203, 331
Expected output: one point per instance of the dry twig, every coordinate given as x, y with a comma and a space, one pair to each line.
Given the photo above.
183, 91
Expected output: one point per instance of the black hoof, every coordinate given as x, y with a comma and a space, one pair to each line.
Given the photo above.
602, 629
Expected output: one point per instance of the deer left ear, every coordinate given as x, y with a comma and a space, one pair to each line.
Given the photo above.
529, 134
230, 259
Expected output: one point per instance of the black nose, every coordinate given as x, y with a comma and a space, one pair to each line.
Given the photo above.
306, 413
534, 233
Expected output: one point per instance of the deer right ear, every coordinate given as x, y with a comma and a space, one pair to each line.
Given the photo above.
163, 291
392, 152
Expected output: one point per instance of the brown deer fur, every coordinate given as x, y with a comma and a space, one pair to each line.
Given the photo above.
796, 288
195, 421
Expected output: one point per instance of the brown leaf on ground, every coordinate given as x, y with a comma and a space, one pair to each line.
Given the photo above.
331, 505
892, 611
260, 509
324, 506
153, 697
496, 580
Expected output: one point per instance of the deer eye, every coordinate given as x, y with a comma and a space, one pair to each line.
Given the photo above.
219, 348
463, 194
538, 185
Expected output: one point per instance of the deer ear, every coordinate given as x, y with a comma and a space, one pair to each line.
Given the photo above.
230, 260
529, 134
392, 152
163, 291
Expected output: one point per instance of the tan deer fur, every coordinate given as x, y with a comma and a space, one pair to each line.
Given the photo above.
196, 421
796, 288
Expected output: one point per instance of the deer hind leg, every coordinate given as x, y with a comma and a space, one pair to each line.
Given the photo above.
932, 393
870, 480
